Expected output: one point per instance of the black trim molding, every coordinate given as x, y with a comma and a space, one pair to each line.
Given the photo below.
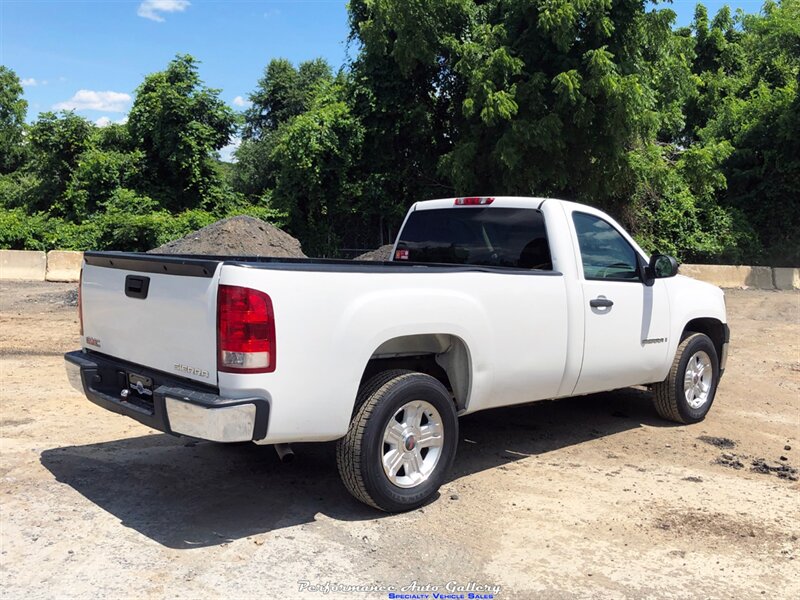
206, 266
153, 263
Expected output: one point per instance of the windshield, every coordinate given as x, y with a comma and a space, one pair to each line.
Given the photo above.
491, 236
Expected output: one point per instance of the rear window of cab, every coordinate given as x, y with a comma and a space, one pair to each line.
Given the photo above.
476, 235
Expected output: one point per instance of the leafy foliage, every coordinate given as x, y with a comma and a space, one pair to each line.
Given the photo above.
13, 109
760, 118
313, 157
283, 93
689, 136
178, 124
56, 143
127, 187
602, 102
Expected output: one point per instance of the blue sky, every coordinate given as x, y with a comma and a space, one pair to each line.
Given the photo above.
91, 55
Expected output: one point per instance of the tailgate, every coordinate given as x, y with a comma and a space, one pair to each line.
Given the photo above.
151, 310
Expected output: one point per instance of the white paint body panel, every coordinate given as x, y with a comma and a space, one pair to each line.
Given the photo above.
616, 352
175, 325
528, 336
329, 324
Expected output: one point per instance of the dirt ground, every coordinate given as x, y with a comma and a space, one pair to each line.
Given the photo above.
588, 497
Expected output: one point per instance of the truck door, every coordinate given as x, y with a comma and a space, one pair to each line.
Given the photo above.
626, 322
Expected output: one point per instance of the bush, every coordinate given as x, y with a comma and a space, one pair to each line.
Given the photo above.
21, 231
673, 208
127, 222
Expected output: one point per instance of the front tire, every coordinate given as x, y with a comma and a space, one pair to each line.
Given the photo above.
401, 441
687, 393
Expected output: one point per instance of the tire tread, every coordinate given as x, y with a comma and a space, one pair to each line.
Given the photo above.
348, 449
665, 398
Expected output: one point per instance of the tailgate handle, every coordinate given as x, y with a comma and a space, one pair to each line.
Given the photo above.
136, 287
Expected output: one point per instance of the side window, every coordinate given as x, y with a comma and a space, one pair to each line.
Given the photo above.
604, 252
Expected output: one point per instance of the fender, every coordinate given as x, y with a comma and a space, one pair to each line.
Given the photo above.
689, 300
446, 312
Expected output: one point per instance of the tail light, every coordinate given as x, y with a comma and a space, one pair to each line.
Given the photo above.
245, 331
473, 201
80, 301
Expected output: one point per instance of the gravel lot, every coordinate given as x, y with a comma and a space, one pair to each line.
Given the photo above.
593, 496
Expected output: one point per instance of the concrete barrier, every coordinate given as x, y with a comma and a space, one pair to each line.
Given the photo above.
23, 265
64, 265
731, 276
786, 278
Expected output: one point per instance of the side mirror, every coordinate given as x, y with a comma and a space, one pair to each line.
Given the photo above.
660, 267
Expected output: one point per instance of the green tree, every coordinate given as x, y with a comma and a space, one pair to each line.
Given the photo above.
282, 93
404, 91
98, 175
689, 136
557, 96
253, 172
179, 124
719, 60
56, 144
570, 98
510, 97
761, 120
13, 109
314, 157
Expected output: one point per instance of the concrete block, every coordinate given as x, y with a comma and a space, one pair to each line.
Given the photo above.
64, 265
731, 276
786, 278
23, 264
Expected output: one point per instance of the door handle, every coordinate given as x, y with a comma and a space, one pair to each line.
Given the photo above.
601, 303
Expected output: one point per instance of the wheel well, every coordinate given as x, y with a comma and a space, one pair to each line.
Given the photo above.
713, 328
442, 356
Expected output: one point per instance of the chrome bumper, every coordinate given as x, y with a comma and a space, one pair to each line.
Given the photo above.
226, 424
174, 406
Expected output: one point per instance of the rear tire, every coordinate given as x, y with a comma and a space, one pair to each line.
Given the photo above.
687, 393
401, 441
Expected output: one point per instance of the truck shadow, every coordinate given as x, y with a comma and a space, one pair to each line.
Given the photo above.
185, 494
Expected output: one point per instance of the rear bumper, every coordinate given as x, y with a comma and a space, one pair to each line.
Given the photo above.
175, 406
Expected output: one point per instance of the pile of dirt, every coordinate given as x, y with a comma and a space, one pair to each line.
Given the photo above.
719, 442
784, 471
382, 253
759, 465
236, 236
730, 460
69, 298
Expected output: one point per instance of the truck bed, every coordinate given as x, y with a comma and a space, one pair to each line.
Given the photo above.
330, 317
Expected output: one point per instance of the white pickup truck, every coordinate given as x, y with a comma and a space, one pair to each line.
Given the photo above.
487, 302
